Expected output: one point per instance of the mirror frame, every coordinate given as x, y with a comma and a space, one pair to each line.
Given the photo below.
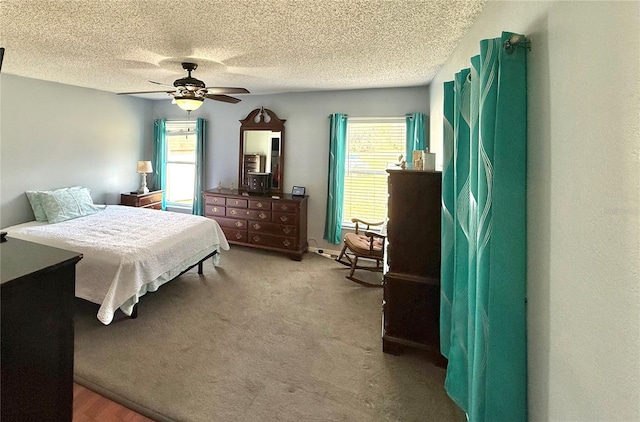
261, 119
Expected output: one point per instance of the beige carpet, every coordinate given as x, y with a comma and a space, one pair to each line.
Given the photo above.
259, 338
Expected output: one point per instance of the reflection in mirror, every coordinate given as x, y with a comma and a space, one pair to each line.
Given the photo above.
262, 154
261, 150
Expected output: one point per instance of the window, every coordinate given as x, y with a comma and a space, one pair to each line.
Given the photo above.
372, 144
181, 163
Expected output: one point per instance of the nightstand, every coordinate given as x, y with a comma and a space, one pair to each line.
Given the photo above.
143, 200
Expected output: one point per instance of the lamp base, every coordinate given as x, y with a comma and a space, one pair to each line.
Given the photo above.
143, 188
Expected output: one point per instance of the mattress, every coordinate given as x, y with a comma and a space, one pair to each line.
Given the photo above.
127, 251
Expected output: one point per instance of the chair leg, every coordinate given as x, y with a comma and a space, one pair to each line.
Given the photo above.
354, 263
343, 254
344, 248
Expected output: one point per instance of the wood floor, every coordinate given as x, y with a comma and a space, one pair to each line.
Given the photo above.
92, 407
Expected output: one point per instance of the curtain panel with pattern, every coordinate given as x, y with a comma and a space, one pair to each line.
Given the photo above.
483, 296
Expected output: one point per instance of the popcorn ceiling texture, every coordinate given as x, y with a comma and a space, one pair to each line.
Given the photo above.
266, 46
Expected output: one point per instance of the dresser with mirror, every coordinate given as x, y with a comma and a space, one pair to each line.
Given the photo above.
259, 213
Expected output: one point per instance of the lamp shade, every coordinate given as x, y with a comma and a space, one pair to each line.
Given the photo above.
189, 104
144, 167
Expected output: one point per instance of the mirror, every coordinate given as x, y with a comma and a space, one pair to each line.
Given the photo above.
261, 151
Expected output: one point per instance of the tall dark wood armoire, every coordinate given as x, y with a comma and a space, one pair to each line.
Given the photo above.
411, 298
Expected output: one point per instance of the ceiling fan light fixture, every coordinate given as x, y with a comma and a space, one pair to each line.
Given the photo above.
189, 104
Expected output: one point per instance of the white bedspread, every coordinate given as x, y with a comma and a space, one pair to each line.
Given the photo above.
127, 251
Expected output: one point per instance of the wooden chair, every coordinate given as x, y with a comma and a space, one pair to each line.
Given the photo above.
364, 244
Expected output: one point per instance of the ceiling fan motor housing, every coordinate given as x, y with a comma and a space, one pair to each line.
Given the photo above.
189, 82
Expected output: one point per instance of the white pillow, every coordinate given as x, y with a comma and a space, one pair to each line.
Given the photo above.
66, 204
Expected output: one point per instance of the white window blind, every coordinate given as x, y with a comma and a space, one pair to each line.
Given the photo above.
181, 162
372, 145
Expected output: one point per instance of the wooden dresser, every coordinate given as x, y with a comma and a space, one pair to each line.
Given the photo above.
143, 200
37, 291
411, 287
260, 221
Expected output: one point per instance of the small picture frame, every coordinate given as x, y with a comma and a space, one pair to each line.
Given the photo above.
298, 191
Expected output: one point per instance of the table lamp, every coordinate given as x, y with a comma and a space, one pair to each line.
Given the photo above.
144, 167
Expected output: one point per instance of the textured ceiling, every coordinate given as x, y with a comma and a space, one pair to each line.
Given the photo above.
266, 46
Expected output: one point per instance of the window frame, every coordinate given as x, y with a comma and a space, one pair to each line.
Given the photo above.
346, 220
177, 128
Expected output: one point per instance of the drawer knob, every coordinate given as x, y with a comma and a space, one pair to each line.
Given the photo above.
236, 202
262, 215
215, 209
259, 205
215, 199
284, 208
286, 230
239, 224
256, 238
234, 212
257, 226
283, 218
286, 243
238, 236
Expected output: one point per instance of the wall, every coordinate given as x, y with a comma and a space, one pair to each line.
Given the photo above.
306, 135
583, 200
55, 135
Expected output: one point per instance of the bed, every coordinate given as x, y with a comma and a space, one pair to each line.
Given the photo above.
128, 251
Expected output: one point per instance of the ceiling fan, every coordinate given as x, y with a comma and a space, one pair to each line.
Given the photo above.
189, 93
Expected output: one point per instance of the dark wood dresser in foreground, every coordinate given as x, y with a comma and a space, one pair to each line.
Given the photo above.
37, 291
411, 287
277, 224
143, 200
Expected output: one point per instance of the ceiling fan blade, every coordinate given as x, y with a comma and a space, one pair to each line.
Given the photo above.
226, 90
223, 98
145, 92
160, 83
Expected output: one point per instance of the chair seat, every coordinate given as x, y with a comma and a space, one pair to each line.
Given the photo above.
359, 244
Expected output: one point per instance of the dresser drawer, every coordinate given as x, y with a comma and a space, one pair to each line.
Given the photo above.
214, 210
232, 223
280, 242
143, 200
249, 214
285, 218
214, 200
284, 206
235, 235
259, 204
252, 159
272, 228
150, 199
237, 203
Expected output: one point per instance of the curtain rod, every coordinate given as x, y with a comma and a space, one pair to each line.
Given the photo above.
377, 118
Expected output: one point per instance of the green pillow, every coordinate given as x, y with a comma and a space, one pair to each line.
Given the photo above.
66, 204
36, 205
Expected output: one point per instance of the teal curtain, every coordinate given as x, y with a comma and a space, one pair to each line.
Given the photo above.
335, 187
415, 135
483, 296
201, 134
160, 157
